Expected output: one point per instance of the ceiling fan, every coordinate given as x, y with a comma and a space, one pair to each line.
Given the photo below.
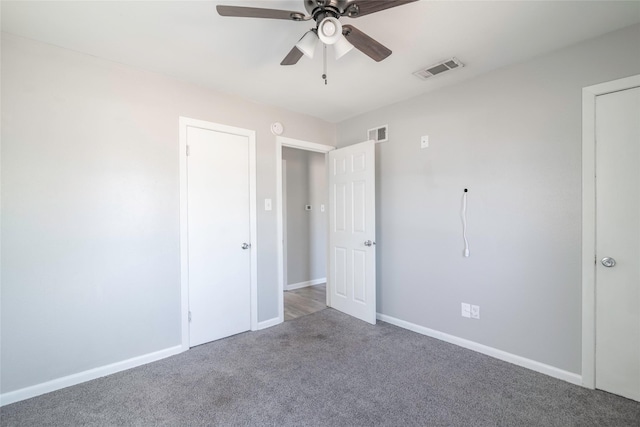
328, 29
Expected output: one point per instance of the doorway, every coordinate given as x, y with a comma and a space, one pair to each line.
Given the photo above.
217, 231
304, 295
611, 237
304, 203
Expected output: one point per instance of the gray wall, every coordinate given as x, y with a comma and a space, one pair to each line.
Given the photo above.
318, 194
513, 138
90, 207
306, 230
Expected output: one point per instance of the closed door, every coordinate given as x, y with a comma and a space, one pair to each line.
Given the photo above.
618, 243
219, 234
352, 252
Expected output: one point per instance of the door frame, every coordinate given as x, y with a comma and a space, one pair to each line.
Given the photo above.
184, 123
282, 141
284, 223
589, 95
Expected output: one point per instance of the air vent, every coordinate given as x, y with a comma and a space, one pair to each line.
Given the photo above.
379, 134
441, 67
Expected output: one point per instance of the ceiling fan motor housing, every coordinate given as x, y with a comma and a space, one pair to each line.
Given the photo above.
320, 9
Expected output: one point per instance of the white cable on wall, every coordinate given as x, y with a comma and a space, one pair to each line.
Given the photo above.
464, 223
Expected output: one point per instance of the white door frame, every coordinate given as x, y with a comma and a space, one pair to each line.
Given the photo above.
284, 223
184, 123
589, 95
282, 141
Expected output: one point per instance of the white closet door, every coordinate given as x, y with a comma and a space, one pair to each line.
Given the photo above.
218, 226
618, 240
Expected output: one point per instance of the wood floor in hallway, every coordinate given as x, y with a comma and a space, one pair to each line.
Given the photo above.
303, 301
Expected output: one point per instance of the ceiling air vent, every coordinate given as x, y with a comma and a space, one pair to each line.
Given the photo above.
379, 134
441, 67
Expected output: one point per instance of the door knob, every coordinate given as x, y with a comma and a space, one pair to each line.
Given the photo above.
246, 246
608, 262
369, 243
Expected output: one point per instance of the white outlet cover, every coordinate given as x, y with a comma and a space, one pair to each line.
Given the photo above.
475, 311
466, 310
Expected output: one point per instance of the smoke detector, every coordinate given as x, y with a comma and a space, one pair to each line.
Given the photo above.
438, 68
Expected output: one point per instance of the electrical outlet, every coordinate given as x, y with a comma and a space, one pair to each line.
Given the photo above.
424, 141
466, 310
475, 311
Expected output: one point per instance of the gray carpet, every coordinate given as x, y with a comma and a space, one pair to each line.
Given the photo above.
326, 369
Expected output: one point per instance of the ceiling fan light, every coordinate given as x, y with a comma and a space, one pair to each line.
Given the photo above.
307, 44
342, 47
329, 30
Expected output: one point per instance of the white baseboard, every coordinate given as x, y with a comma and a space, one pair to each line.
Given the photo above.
269, 323
489, 351
91, 374
305, 284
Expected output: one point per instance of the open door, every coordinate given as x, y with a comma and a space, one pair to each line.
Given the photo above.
352, 230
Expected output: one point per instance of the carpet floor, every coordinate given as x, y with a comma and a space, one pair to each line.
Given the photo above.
326, 369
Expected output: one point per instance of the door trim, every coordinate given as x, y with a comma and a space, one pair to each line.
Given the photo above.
589, 95
284, 224
282, 141
184, 123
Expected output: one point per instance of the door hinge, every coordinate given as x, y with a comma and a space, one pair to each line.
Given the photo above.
188, 151
189, 315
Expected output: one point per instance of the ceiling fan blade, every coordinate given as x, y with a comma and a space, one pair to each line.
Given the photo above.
365, 44
366, 7
256, 12
292, 57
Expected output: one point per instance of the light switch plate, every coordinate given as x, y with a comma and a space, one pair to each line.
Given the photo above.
466, 310
267, 204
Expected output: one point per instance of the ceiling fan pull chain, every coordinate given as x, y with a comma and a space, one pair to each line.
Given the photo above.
324, 62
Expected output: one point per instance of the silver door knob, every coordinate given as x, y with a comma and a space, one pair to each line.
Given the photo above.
369, 243
246, 246
608, 262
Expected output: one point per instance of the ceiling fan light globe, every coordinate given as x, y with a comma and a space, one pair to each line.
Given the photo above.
342, 47
329, 30
307, 44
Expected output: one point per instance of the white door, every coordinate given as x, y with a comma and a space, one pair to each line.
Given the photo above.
352, 231
618, 240
218, 204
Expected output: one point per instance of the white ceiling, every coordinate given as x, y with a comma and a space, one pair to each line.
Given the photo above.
188, 40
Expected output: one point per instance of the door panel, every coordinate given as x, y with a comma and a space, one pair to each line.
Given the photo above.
219, 223
352, 273
618, 237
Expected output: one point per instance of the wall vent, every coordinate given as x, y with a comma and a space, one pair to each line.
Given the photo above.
379, 134
438, 68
